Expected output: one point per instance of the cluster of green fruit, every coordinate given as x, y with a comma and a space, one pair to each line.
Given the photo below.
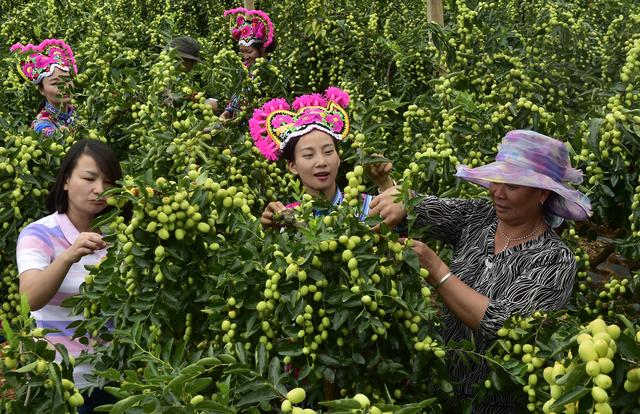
30, 374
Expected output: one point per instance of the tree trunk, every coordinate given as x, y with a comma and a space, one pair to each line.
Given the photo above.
435, 12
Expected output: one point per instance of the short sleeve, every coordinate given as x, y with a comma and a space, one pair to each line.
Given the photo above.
35, 249
544, 287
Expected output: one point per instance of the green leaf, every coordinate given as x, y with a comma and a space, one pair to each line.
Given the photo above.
24, 307
261, 358
237, 369
209, 361
116, 392
8, 332
573, 395
328, 360
262, 393
339, 319
415, 408
344, 404
241, 353
176, 383
357, 358
27, 368
123, 406
577, 375
215, 407
628, 347
198, 384
274, 371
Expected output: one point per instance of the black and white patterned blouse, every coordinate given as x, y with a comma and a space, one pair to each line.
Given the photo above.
535, 275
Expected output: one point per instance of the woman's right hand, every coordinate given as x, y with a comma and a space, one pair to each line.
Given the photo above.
385, 204
86, 243
268, 215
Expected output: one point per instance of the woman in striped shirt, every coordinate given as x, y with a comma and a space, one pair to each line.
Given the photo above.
507, 259
52, 252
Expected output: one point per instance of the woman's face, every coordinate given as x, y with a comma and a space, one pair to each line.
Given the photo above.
85, 183
515, 204
250, 54
316, 162
56, 88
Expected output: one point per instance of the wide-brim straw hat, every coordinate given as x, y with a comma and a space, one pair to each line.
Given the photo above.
531, 159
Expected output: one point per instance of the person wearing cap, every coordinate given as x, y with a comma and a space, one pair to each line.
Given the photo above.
507, 258
50, 66
189, 50
255, 34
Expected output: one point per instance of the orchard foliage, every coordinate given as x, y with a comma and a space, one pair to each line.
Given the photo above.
210, 313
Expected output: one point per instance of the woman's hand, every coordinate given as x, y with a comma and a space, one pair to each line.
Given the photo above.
464, 302
86, 243
41, 285
428, 259
268, 215
385, 204
379, 174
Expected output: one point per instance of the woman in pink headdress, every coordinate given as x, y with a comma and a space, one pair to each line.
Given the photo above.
507, 259
51, 67
307, 138
255, 35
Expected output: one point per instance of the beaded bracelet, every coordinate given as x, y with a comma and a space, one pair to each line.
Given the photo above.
443, 280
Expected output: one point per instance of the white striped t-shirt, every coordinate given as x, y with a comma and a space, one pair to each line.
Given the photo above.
38, 245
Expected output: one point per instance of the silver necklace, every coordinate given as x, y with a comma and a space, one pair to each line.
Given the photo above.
512, 239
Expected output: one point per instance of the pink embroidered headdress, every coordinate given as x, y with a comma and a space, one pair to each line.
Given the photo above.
251, 26
273, 125
39, 61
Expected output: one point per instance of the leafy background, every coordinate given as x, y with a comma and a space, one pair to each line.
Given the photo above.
238, 316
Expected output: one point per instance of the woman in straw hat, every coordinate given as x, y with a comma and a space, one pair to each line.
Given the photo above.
507, 259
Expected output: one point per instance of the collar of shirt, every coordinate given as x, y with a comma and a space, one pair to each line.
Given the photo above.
68, 229
64, 117
338, 198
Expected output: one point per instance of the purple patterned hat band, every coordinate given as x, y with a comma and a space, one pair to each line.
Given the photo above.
536, 152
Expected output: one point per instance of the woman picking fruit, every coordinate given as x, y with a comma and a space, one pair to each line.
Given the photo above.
307, 139
254, 33
52, 252
507, 258
50, 66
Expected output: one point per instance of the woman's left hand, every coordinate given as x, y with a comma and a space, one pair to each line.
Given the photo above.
428, 259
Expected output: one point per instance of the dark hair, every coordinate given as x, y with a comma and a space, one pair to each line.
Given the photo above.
269, 49
289, 152
103, 155
44, 101
272, 46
